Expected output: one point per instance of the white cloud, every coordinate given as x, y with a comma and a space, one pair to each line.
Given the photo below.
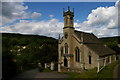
102, 21
51, 16
11, 0
48, 28
117, 3
77, 20
12, 11
35, 15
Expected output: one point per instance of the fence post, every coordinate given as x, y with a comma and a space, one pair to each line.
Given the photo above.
52, 66
45, 65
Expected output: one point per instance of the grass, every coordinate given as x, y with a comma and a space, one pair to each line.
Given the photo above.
46, 70
107, 72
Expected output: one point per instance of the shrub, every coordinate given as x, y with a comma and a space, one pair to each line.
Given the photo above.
41, 69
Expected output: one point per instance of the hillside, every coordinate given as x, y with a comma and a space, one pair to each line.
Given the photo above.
110, 39
112, 42
23, 52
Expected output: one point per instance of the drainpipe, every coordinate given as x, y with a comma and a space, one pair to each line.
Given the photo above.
98, 65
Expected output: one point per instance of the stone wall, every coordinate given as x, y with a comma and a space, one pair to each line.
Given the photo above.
94, 58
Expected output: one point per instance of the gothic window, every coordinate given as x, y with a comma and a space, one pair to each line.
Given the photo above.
66, 20
66, 35
89, 59
66, 48
61, 50
77, 55
65, 62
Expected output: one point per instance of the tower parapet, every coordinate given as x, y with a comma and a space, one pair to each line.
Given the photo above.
68, 18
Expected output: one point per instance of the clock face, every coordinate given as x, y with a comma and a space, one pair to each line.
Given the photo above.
66, 35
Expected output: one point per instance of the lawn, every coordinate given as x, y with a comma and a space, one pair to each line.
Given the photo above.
107, 72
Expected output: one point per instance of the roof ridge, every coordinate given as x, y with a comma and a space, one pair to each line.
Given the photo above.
83, 32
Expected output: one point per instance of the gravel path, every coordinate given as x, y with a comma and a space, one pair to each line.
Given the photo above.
116, 72
36, 74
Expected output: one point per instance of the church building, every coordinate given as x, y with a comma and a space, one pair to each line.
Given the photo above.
79, 50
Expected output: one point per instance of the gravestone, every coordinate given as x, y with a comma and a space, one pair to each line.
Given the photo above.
52, 66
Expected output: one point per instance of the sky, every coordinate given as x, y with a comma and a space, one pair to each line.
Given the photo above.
46, 18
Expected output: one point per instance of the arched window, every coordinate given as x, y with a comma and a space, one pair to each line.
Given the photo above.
66, 21
77, 55
61, 50
65, 62
66, 48
89, 59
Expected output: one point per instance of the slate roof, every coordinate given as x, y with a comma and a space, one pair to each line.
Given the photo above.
93, 43
100, 49
87, 37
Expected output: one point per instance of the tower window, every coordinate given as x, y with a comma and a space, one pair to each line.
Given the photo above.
66, 21
89, 59
61, 50
66, 48
77, 55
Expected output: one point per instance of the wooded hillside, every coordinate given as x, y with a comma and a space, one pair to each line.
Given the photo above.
25, 51
112, 42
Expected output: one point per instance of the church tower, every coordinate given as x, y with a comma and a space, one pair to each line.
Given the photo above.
68, 22
68, 18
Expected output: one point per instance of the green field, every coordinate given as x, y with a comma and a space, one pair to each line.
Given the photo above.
107, 72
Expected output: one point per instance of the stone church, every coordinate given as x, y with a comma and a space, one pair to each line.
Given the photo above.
79, 50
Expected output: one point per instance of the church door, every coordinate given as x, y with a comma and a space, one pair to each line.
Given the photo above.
65, 62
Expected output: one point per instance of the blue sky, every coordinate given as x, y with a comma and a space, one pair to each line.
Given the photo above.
82, 9
46, 18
